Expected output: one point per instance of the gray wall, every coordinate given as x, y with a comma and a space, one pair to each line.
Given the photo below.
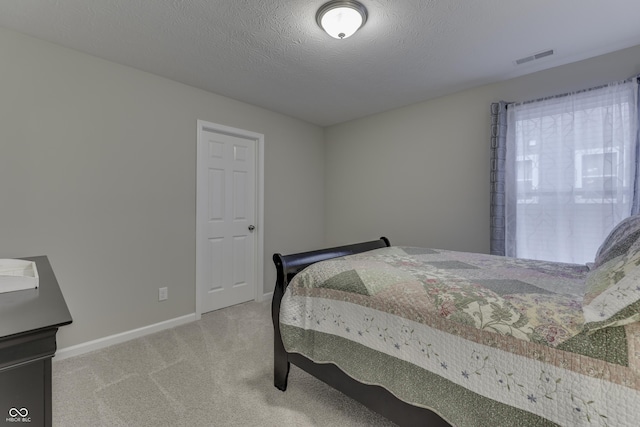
420, 174
97, 171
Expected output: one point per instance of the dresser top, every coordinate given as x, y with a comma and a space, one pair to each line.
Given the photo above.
34, 309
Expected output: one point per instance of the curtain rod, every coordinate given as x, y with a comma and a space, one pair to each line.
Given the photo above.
630, 79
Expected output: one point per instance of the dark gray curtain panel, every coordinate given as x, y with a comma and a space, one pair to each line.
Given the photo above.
635, 205
497, 176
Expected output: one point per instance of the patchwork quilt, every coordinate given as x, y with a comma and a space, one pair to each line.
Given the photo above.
479, 339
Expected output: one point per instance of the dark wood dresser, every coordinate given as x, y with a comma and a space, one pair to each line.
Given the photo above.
29, 321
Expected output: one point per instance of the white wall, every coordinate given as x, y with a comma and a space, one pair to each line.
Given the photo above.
97, 171
420, 174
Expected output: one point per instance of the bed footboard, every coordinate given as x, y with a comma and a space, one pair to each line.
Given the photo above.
288, 266
374, 397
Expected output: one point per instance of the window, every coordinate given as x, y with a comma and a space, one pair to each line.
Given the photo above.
596, 177
570, 172
527, 178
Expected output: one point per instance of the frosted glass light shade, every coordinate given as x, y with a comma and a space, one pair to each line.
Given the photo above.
340, 19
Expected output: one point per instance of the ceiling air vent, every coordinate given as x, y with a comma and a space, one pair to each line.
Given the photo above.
533, 57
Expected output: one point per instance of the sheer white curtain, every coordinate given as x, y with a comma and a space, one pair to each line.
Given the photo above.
570, 172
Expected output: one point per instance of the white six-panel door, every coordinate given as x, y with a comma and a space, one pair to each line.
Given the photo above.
226, 217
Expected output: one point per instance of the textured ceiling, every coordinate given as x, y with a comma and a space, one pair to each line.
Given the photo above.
271, 53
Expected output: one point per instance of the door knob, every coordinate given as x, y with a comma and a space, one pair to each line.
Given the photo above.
251, 228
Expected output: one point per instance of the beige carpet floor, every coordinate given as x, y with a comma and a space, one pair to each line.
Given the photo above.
213, 372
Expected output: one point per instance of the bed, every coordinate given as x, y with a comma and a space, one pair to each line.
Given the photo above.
434, 337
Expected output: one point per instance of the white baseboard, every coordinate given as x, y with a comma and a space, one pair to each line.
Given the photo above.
76, 350
267, 296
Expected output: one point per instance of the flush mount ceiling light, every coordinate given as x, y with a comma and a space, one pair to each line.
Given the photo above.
340, 18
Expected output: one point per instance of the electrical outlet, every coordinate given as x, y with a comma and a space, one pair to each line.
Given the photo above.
163, 294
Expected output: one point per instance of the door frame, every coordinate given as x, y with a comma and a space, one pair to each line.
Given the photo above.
259, 203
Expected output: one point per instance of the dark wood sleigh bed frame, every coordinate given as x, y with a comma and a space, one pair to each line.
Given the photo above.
374, 397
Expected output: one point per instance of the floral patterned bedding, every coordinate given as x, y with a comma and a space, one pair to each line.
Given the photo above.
481, 340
